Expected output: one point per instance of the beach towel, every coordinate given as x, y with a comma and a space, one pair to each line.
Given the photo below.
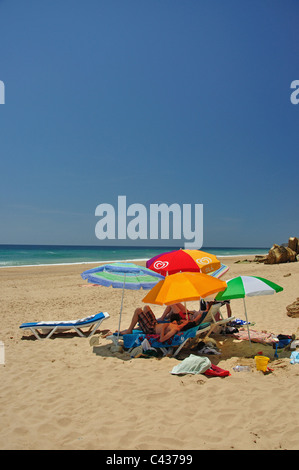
207, 348
239, 322
294, 357
256, 336
146, 345
136, 338
192, 365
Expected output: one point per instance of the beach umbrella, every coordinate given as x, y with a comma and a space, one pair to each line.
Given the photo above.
122, 276
219, 272
183, 287
183, 260
242, 286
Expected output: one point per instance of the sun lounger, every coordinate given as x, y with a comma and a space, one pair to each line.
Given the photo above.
178, 341
211, 316
51, 327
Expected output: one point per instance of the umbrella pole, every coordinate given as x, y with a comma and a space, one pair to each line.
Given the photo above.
121, 307
247, 321
187, 314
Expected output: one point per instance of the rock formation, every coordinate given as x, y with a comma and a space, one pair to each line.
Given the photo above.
281, 253
294, 244
293, 309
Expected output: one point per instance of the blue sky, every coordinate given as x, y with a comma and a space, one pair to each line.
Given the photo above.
163, 101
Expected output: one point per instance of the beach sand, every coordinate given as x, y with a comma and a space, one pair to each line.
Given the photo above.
63, 393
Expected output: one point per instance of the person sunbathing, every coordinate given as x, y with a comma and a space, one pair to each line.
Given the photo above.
195, 315
150, 326
181, 310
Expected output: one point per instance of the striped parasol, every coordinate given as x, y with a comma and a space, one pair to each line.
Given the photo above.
242, 286
114, 274
122, 276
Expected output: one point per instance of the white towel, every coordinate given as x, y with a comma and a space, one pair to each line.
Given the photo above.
192, 365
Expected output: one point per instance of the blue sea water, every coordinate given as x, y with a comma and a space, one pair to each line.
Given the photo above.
34, 255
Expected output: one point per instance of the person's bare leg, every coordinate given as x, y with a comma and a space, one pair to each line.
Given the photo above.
177, 308
147, 308
134, 321
174, 308
166, 313
229, 310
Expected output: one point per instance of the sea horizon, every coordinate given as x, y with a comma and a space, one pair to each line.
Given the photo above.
28, 255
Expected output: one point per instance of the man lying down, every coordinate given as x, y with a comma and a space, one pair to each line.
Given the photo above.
151, 326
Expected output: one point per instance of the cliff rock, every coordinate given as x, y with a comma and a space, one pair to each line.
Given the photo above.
280, 254
293, 309
294, 244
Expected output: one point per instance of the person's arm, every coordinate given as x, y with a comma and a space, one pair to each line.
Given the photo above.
181, 307
164, 337
197, 318
172, 330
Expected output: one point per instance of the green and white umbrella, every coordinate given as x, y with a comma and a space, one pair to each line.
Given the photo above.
242, 286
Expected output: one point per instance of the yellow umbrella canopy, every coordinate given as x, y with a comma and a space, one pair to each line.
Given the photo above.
183, 287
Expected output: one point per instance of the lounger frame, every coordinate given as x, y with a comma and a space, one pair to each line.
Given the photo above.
213, 312
172, 349
199, 332
51, 327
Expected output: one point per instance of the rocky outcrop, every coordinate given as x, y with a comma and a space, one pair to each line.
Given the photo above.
293, 309
281, 253
260, 258
294, 244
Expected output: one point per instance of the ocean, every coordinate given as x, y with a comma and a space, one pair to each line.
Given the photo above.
35, 255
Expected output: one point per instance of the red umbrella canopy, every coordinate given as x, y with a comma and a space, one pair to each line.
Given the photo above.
183, 260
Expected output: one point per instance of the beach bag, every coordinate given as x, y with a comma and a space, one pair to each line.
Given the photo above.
284, 340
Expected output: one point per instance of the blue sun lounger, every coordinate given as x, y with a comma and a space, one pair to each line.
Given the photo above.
51, 327
178, 341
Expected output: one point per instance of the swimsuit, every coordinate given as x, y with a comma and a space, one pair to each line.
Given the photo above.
147, 322
182, 315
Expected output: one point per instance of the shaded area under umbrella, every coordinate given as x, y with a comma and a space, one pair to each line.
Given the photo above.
122, 276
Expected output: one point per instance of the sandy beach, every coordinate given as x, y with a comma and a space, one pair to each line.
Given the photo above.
64, 393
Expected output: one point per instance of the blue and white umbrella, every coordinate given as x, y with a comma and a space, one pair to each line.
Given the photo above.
122, 276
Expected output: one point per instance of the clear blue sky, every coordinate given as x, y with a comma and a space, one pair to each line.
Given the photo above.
184, 101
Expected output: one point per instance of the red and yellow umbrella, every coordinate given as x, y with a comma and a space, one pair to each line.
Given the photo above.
183, 260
